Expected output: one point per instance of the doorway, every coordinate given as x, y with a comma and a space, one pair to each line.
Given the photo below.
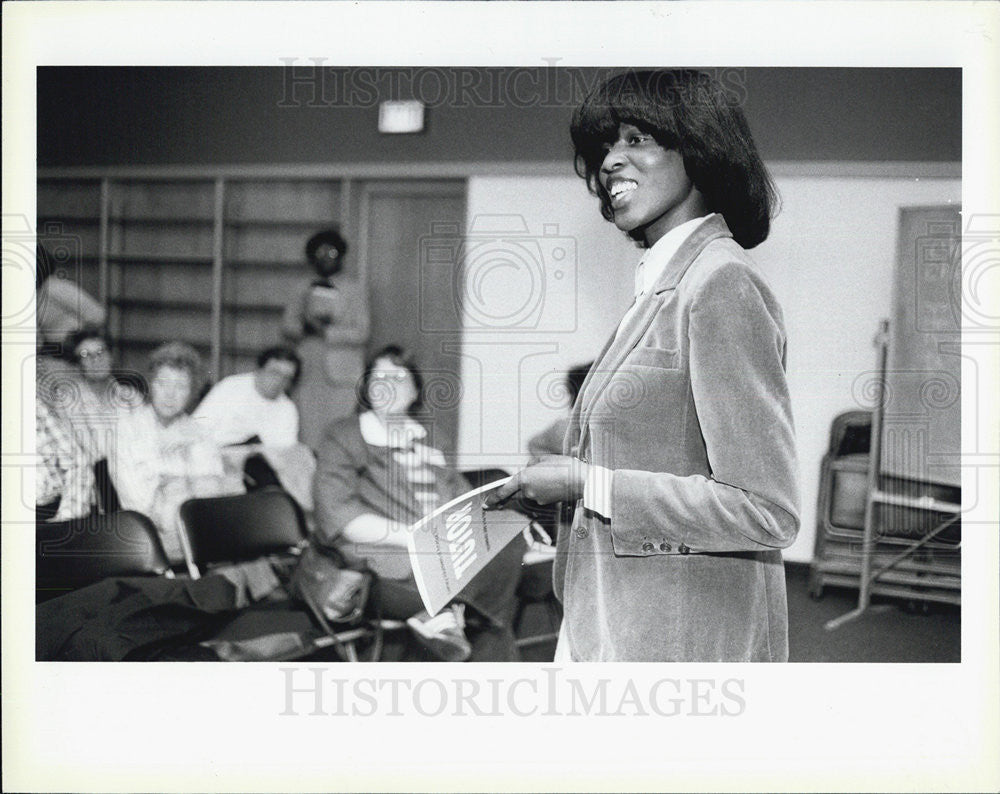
410, 235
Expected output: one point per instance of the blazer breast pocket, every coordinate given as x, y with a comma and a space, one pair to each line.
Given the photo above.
658, 357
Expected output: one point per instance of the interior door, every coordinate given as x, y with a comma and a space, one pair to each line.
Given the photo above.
410, 232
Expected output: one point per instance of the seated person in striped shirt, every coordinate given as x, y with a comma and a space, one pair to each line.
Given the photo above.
64, 479
376, 476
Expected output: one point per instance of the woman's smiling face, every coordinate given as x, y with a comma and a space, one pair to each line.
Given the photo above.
647, 184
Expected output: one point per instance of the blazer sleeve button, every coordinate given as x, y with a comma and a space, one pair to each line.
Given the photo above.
683, 549
648, 547
664, 547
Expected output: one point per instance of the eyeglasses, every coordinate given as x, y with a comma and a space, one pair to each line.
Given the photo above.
278, 372
93, 352
398, 377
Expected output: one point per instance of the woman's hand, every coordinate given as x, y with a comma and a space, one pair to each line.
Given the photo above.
556, 478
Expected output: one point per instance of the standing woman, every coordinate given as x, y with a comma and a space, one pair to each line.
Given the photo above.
680, 454
329, 322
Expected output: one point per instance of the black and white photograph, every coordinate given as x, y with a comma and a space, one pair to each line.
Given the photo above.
465, 413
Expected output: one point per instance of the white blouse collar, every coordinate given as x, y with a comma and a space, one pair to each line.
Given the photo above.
656, 258
399, 432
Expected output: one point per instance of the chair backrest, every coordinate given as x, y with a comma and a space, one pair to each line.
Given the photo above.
243, 527
479, 477
73, 554
850, 434
107, 496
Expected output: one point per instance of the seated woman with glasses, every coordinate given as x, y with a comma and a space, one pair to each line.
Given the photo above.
161, 456
91, 394
375, 477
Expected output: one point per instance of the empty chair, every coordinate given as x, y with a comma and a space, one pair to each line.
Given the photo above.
73, 554
247, 527
241, 528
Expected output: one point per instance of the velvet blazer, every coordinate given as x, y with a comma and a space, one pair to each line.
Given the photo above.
688, 406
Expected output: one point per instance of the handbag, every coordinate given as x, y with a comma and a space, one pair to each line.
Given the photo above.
334, 593
337, 596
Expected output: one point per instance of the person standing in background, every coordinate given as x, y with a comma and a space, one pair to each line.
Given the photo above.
61, 309
329, 323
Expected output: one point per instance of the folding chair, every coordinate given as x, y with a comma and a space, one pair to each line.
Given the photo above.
247, 527
230, 529
73, 554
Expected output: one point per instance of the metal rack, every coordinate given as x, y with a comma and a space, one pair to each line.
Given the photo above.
921, 568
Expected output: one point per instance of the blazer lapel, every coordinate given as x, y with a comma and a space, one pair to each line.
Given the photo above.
713, 227
630, 332
572, 437
628, 337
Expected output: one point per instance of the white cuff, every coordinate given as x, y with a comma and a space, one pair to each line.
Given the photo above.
597, 491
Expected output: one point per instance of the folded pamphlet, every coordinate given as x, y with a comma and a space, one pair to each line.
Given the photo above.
449, 546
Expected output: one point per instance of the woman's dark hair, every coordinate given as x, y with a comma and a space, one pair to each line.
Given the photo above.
692, 113
329, 237
281, 353
400, 358
179, 355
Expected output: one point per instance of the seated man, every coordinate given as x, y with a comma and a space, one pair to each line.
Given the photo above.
255, 403
252, 419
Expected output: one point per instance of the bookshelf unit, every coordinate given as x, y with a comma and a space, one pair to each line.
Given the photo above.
209, 260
